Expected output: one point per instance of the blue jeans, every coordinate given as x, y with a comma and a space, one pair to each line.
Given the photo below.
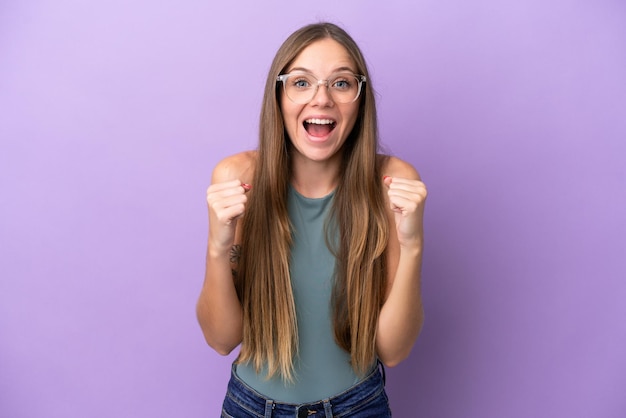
365, 399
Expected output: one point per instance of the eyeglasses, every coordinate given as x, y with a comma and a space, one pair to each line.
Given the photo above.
301, 88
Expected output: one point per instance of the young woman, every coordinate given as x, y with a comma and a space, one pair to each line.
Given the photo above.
315, 244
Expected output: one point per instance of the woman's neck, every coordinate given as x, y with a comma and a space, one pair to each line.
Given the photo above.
315, 179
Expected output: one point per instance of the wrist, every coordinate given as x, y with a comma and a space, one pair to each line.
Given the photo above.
412, 250
216, 251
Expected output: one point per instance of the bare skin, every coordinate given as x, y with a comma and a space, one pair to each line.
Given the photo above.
218, 309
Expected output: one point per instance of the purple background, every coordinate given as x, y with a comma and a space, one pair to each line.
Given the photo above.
112, 115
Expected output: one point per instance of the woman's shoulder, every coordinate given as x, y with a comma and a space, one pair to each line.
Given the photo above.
238, 166
396, 167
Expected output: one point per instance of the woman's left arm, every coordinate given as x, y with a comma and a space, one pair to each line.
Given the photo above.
402, 314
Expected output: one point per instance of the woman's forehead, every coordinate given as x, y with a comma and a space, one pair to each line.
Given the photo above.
325, 56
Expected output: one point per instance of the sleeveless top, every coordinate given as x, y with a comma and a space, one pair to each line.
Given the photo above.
322, 368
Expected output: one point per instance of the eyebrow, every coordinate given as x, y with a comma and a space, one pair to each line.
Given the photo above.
336, 70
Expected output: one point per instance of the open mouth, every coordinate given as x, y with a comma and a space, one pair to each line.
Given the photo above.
319, 127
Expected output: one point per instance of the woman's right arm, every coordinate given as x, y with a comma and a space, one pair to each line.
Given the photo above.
218, 309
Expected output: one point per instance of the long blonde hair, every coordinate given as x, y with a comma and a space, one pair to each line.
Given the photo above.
270, 335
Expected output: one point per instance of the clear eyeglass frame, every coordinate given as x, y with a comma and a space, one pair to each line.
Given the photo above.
283, 78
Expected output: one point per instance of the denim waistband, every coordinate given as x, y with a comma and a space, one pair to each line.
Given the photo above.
342, 404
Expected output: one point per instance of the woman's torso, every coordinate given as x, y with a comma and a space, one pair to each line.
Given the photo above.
322, 368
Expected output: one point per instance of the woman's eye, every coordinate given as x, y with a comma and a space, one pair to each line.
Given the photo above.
301, 83
341, 84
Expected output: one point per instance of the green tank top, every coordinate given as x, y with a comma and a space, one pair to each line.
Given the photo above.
322, 368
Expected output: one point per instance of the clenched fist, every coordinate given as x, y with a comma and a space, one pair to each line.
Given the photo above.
407, 199
227, 202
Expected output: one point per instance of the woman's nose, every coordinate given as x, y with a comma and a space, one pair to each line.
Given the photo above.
322, 96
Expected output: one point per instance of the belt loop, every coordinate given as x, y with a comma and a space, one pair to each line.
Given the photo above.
382, 368
269, 405
328, 408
